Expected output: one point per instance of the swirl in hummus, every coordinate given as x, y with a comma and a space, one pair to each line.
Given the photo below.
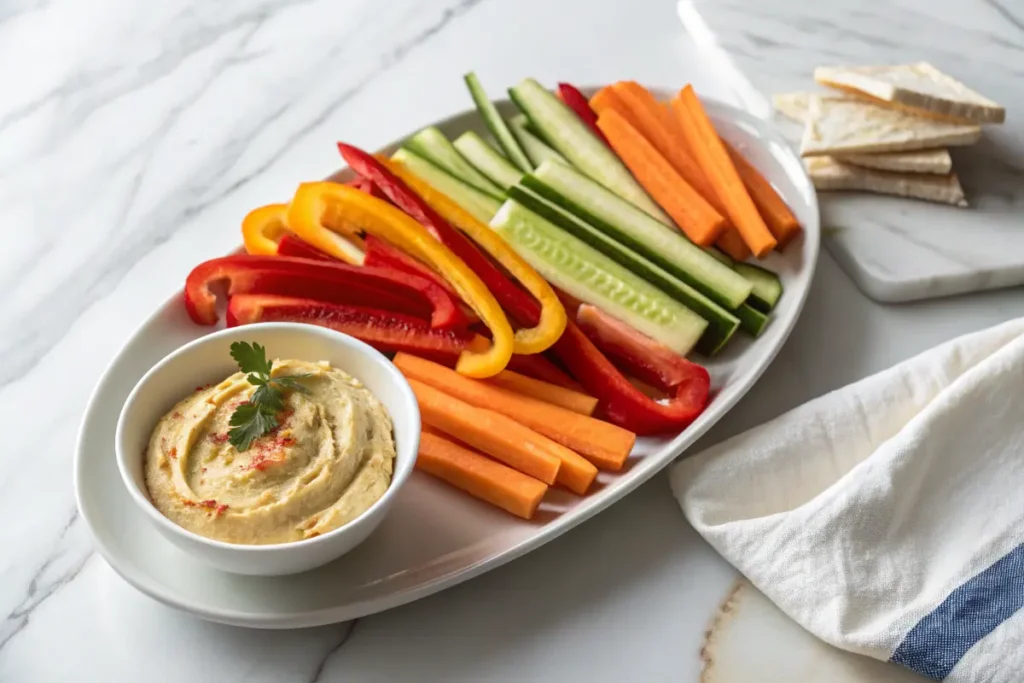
330, 459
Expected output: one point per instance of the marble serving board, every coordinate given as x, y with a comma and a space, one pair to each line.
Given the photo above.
894, 249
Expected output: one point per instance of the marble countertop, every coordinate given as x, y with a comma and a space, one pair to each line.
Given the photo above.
134, 137
895, 249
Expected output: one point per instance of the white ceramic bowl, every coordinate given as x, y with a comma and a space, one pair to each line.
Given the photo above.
207, 359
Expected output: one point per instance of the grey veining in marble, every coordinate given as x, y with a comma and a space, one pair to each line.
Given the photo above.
896, 249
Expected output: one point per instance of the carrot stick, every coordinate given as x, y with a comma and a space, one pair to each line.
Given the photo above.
488, 431
688, 209
575, 401
602, 98
480, 476
655, 122
732, 244
780, 220
602, 443
710, 153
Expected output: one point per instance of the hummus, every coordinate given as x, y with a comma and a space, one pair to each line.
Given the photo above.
329, 459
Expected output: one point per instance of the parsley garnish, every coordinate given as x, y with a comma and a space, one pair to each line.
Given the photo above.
258, 416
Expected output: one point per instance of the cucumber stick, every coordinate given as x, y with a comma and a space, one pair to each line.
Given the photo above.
752, 321
767, 286
592, 277
627, 224
481, 206
496, 124
432, 145
487, 160
564, 130
721, 323
535, 148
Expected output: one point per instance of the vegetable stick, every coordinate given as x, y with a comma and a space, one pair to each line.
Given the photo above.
602, 99
707, 148
602, 443
780, 220
538, 367
575, 401
688, 209
494, 434
575, 100
655, 122
732, 244
480, 476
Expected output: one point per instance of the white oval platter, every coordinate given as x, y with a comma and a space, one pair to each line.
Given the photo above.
435, 536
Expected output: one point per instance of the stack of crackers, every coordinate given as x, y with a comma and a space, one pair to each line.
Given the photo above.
887, 129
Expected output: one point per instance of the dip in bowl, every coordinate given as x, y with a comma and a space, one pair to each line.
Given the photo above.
298, 495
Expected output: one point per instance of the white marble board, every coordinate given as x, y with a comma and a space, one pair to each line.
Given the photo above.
895, 249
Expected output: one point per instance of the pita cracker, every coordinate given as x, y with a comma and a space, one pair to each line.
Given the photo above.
936, 161
796, 106
836, 126
829, 174
919, 88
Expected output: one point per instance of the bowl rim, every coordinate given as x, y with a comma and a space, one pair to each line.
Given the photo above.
400, 473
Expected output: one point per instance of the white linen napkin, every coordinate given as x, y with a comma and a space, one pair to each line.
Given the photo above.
887, 517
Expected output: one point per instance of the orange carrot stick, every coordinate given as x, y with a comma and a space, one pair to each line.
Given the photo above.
655, 122
710, 153
488, 431
480, 476
732, 244
688, 209
602, 443
602, 98
780, 220
575, 401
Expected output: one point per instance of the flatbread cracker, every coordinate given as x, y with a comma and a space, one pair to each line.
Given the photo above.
919, 88
840, 125
936, 161
829, 174
796, 106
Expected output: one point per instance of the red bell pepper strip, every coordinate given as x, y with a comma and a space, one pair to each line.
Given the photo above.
382, 254
290, 245
577, 101
533, 365
624, 404
645, 358
384, 330
514, 300
309, 279
539, 367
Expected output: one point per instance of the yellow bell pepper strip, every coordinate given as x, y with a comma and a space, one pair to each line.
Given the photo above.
552, 320
323, 208
263, 228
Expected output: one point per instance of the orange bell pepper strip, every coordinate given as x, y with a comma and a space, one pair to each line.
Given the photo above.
320, 209
552, 315
263, 228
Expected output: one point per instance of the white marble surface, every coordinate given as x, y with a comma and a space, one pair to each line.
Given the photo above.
896, 249
134, 136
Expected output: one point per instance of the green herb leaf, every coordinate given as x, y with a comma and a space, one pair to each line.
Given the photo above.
251, 358
252, 420
248, 423
266, 396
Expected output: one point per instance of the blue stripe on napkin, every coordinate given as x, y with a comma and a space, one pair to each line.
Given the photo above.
934, 646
